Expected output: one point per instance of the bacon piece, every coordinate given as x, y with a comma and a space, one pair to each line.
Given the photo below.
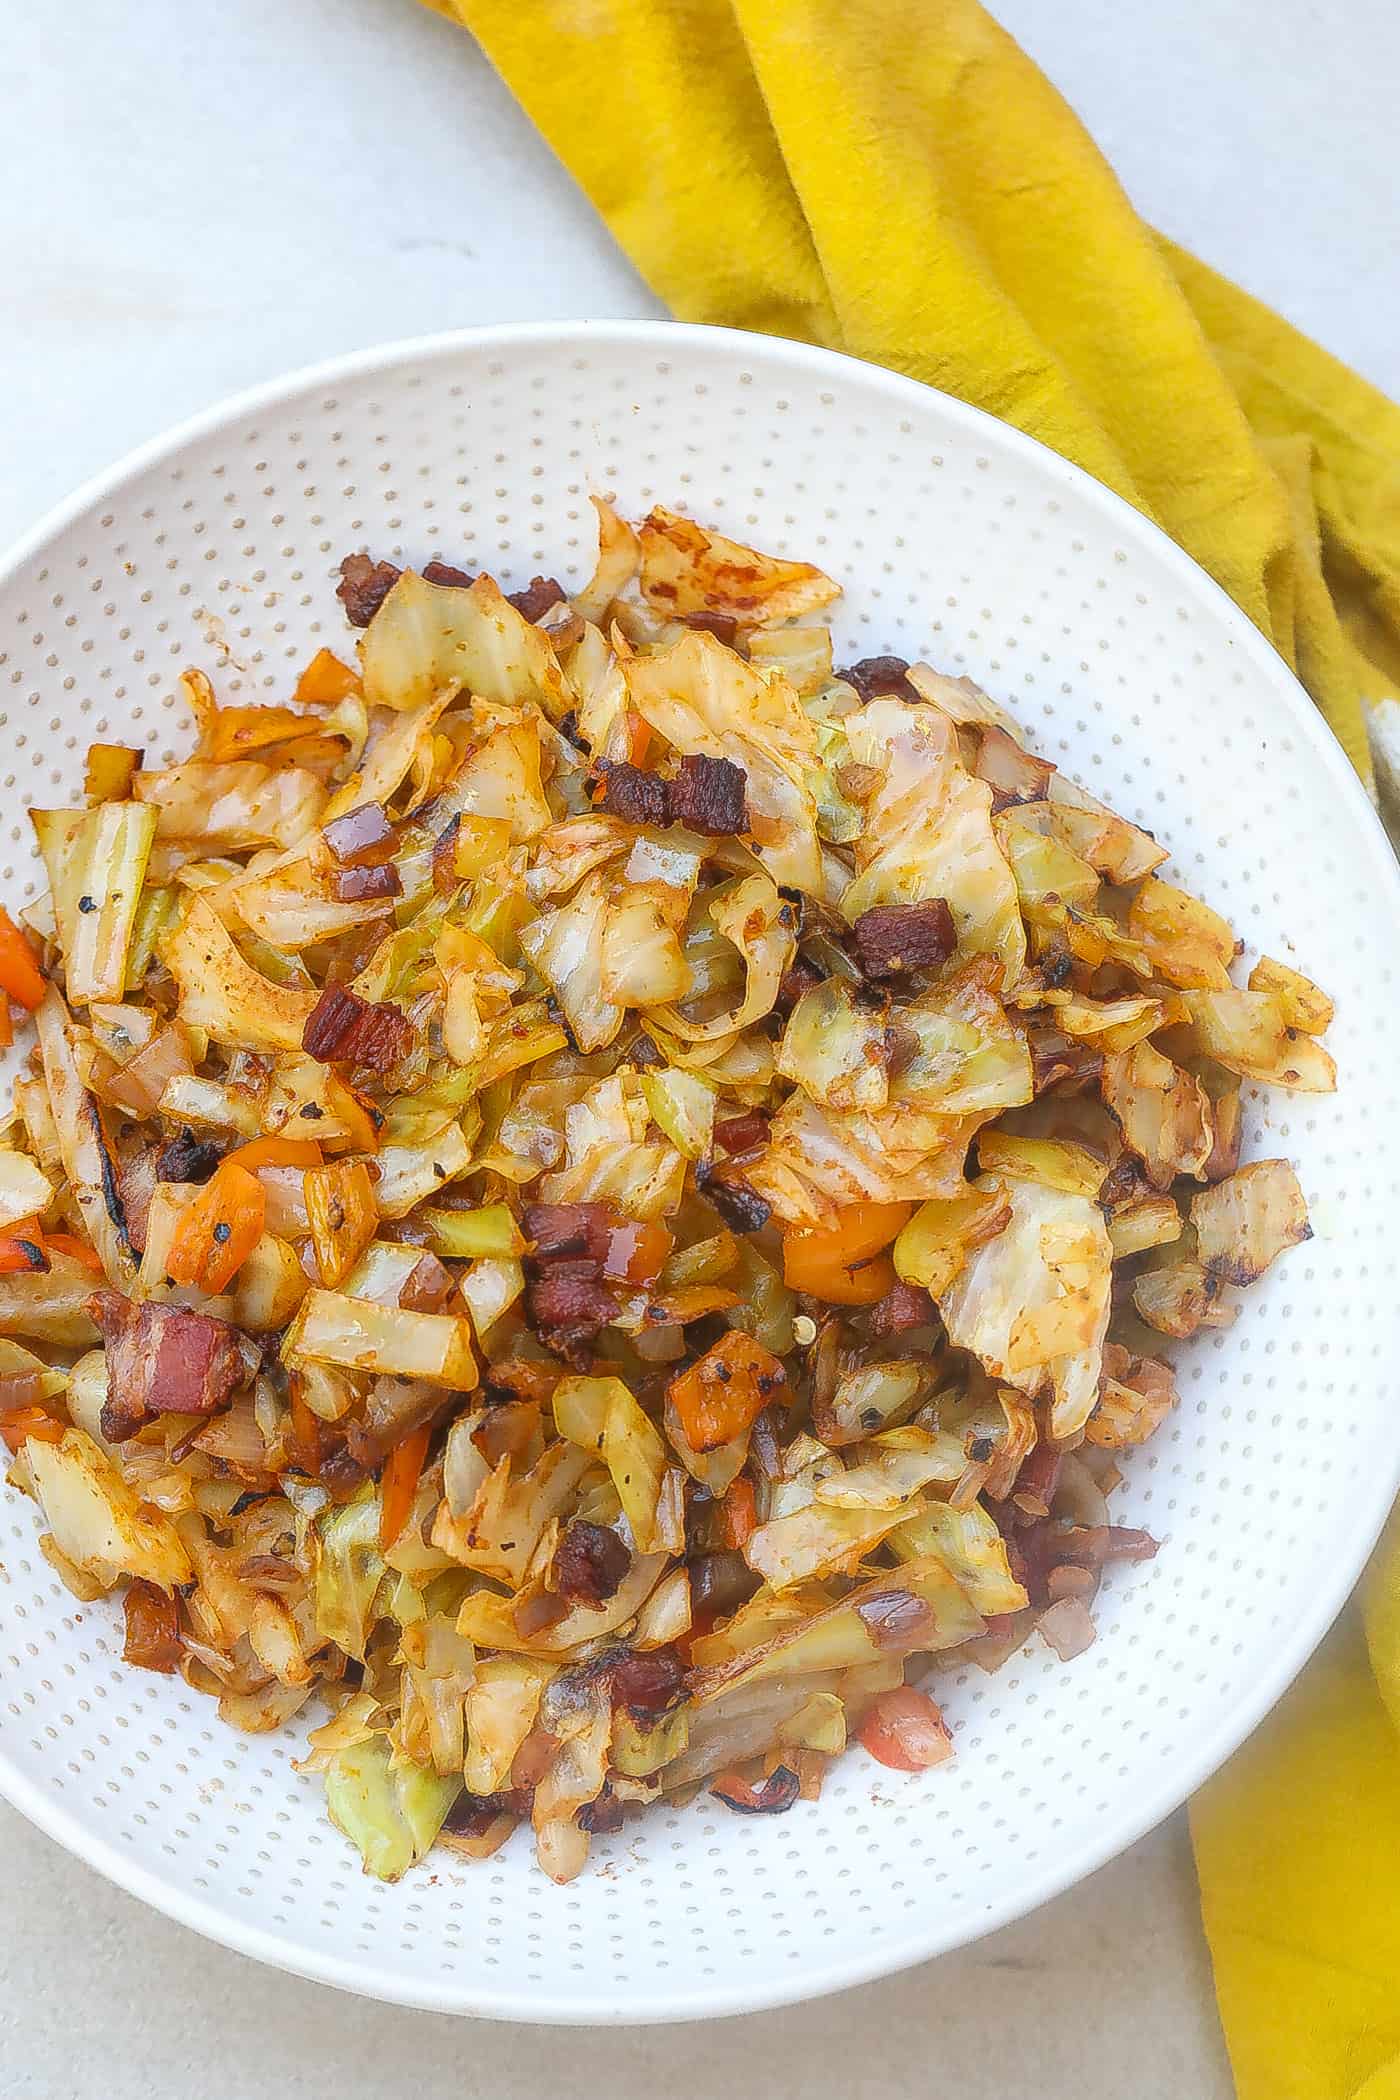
566, 1309
152, 1628
891, 938
708, 796
538, 595
796, 980
906, 1305
362, 834
879, 674
573, 1232
647, 1685
742, 1133
589, 1563
442, 572
363, 586
471, 1815
162, 1360
343, 1028
363, 885
636, 796
723, 626
604, 1816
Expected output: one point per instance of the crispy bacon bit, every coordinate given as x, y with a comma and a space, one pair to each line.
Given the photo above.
152, 1628
723, 626
741, 1207
363, 885
794, 981
537, 597
186, 1158
647, 1685
906, 1305
601, 1818
896, 937
442, 572
895, 1619
363, 587
471, 1815
589, 1563
361, 835
162, 1361
343, 1028
879, 674
771, 1798
573, 1232
742, 1133
708, 796
567, 1310
636, 796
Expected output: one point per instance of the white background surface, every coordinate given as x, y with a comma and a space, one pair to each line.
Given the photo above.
199, 196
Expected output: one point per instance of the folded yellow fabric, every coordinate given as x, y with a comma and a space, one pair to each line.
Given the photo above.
895, 179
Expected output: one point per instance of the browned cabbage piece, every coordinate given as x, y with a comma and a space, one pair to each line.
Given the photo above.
480, 1034
688, 569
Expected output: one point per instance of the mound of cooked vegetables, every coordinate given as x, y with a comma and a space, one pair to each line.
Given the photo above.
594, 1189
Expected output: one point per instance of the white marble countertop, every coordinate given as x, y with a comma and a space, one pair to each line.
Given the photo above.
203, 195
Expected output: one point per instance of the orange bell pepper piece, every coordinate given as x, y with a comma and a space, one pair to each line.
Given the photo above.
844, 1263
218, 1230
719, 1397
402, 1469
69, 1243
22, 1250
20, 975
275, 1152
325, 680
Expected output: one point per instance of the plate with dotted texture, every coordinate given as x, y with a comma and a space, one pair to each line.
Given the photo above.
958, 541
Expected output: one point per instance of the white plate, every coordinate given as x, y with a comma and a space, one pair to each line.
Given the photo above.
958, 541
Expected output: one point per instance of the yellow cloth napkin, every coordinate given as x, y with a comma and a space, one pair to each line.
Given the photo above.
894, 178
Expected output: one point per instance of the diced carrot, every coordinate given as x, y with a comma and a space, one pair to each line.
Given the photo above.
219, 1230
844, 1263
738, 1514
400, 1483
17, 1423
325, 680
69, 1243
7, 1026
20, 975
719, 1397
275, 1152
